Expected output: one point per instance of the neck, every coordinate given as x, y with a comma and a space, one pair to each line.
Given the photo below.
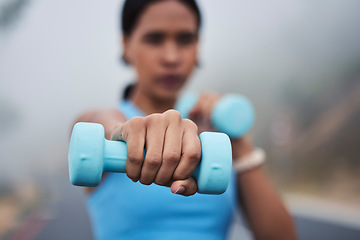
150, 104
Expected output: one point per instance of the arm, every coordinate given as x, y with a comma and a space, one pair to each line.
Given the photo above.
266, 213
109, 118
172, 145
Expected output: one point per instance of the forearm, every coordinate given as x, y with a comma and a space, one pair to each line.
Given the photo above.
266, 212
109, 118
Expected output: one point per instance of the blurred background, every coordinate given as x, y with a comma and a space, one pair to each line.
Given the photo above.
297, 60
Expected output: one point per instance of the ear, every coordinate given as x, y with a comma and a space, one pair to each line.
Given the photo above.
125, 44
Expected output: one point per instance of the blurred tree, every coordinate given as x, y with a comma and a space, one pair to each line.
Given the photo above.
10, 12
326, 115
9, 117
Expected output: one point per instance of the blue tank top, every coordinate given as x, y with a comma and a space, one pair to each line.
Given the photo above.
122, 209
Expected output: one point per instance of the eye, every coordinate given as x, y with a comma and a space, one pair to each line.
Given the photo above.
186, 38
154, 38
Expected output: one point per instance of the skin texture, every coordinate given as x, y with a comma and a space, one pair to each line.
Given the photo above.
163, 51
172, 149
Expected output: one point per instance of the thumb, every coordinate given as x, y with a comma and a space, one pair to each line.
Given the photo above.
185, 187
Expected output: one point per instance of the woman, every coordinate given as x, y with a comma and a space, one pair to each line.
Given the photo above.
160, 40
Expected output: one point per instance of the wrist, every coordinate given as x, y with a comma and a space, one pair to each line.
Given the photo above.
241, 147
111, 119
247, 162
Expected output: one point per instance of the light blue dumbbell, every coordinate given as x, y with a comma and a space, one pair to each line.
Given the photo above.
233, 114
90, 154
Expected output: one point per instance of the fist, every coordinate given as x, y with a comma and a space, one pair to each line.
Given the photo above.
172, 150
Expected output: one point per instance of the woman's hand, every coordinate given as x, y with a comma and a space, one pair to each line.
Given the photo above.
201, 112
201, 115
172, 150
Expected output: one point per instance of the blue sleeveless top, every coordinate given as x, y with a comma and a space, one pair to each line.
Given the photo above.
122, 209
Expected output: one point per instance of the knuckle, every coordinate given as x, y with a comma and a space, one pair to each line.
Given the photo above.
190, 125
153, 118
153, 161
193, 155
134, 158
173, 114
136, 121
171, 158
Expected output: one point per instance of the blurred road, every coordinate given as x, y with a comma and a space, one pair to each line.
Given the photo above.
309, 229
68, 216
67, 219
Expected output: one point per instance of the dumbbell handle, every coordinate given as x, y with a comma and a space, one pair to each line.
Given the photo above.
115, 154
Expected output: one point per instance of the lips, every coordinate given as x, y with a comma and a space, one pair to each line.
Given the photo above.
170, 81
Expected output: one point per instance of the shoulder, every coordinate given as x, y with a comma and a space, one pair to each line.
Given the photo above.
100, 115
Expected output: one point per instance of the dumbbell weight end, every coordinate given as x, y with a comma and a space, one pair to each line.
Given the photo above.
233, 114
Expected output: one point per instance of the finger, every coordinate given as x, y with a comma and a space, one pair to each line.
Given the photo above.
204, 106
155, 132
118, 133
172, 148
186, 187
133, 133
191, 151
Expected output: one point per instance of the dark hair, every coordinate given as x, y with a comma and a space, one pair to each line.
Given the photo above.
128, 91
132, 10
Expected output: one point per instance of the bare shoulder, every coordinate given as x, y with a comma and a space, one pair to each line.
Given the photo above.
99, 115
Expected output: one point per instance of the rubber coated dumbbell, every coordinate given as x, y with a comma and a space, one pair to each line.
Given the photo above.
90, 154
233, 114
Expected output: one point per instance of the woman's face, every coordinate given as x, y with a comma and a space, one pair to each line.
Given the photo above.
163, 48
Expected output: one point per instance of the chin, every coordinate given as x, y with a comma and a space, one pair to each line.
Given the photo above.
168, 94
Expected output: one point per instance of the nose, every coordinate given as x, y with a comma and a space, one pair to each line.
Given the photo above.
170, 55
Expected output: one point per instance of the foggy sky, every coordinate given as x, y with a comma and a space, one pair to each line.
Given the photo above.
62, 58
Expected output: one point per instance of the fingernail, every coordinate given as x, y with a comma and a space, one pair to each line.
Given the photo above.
180, 190
134, 180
